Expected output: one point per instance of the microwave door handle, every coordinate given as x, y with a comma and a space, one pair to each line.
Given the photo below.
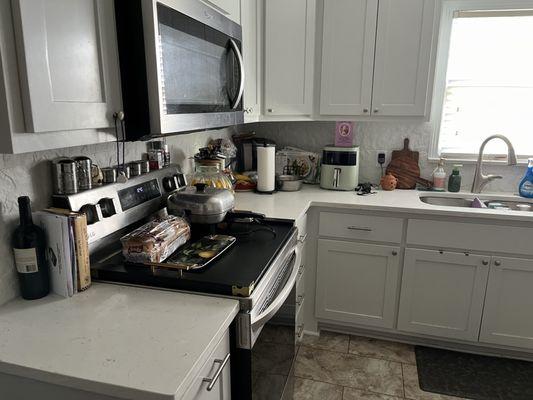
273, 308
235, 102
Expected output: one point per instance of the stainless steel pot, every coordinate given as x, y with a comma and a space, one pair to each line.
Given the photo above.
201, 204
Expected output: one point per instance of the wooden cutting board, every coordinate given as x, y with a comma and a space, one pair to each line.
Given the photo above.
405, 152
404, 166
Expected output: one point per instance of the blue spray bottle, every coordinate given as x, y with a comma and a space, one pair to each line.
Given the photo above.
526, 185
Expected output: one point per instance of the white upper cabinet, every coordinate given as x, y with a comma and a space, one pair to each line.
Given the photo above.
289, 56
348, 42
404, 58
251, 33
68, 63
507, 317
229, 8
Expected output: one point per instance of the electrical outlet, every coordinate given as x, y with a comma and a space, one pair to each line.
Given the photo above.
382, 155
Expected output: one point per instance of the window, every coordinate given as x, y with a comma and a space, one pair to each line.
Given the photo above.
487, 81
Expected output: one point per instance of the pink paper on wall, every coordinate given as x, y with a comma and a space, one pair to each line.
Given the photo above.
344, 133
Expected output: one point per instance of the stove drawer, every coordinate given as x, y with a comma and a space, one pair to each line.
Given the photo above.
362, 227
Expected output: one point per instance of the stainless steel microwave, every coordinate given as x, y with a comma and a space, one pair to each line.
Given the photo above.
181, 67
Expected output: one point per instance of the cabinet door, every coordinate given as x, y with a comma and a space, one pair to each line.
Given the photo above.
69, 63
404, 54
251, 32
507, 317
349, 36
442, 293
229, 8
289, 56
357, 283
221, 389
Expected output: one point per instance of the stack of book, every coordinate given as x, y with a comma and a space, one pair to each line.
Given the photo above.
67, 250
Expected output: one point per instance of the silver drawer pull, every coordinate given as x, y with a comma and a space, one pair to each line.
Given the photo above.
300, 300
299, 331
358, 228
214, 379
302, 238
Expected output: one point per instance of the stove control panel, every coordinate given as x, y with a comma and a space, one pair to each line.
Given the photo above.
112, 208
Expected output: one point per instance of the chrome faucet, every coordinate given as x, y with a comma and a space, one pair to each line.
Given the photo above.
481, 180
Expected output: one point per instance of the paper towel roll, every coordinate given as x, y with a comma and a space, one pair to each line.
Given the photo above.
266, 168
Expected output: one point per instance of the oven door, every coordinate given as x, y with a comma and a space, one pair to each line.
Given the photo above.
265, 370
194, 66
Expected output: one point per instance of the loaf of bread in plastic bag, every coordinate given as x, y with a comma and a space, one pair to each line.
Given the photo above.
156, 240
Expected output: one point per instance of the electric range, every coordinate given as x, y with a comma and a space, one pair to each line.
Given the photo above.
259, 270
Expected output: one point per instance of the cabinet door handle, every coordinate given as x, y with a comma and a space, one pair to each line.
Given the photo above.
394, 253
212, 381
299, 331
485, 262
365, 110
497, 263
270, 110
357, 228
376, 110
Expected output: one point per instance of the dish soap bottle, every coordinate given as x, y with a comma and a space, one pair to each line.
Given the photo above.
526, 185
439, 177
454, 182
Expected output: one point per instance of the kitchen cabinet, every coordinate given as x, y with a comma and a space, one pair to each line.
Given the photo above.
357, 283
404, 57
289, 57
377, 57
68, 63
509, 303
217, 366
442, 293
229, 8
251, 19
348, 42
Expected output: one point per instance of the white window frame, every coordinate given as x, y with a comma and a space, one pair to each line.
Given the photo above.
449, 8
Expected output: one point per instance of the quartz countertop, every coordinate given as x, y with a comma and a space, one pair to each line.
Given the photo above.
292, 205
121, 341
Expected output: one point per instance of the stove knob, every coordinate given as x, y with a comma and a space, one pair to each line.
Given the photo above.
90, 212
170, 183
107, 206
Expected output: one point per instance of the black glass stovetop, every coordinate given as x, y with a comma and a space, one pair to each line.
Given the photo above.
238, 269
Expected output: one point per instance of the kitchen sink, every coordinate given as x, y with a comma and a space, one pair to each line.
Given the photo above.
466, 202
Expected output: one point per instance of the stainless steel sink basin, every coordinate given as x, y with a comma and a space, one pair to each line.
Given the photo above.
466, 202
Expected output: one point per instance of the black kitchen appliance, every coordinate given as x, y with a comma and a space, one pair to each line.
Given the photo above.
259, 270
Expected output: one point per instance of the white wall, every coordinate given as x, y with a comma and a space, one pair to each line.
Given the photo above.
30, 174
388, 136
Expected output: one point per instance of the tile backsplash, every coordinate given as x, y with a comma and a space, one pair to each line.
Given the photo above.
30, 174
376, 136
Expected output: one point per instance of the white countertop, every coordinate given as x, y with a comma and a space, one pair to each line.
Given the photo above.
116, 340
291, 205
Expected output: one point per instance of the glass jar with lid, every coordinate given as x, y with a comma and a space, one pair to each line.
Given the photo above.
211, 176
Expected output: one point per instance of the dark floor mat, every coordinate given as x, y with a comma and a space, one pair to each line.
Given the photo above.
473, 376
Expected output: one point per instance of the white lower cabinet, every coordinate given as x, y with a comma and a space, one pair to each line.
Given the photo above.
442, 293
357, 283
213, 382
508, 314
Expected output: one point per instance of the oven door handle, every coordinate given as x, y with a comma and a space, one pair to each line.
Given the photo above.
235, 102
273, 308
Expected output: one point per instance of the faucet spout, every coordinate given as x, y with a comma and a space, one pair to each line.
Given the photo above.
480, 180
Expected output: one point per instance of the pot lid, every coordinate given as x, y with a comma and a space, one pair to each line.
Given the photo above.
202, 200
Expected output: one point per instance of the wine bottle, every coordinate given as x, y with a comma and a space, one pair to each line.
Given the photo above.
29, 245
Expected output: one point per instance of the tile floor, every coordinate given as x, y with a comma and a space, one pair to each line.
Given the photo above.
343, 367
